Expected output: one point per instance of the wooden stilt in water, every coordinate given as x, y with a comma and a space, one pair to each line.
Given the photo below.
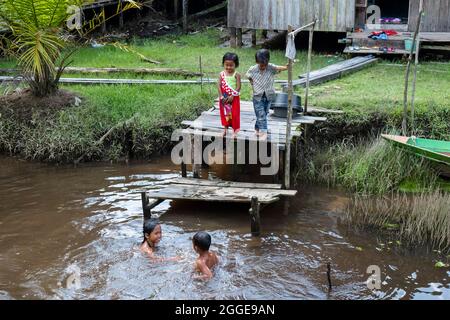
196, 163
239, 37
147, 206
254, 38
183, 170
330, 286
233, 40
146, 209
255, 217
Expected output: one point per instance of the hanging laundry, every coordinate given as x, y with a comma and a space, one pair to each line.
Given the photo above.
291, 52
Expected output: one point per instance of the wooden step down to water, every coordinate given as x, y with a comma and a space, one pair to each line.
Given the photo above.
257, 195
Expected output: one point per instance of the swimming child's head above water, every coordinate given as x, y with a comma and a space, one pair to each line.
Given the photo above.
152, 231
201, 241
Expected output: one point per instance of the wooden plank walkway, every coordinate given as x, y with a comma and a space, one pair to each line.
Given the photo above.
209, 124
335, 71
257, 195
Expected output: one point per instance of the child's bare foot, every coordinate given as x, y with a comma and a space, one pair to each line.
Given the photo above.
263, 136
235, 133
224, 133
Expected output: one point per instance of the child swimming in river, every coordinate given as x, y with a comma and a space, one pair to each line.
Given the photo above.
152, 236
206, 260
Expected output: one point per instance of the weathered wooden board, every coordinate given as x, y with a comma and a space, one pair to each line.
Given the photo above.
197, 192
335, 71
333, 15
221, 183
436, 18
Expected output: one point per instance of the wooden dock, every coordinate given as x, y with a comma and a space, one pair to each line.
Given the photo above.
257, 195
209, 124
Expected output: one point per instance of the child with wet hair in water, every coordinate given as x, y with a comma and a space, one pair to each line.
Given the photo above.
152, 236
206, 260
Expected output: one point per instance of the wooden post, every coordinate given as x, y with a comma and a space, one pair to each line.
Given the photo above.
255, 217
253, 38
408, 70
287, 169
145, 208
329, 276
233, 42
235, 160
195, 166
264, 34
183, 170
308, 70
416, 64
175, 9
121, 20
103, 25
185, 14
239, 37
201, 72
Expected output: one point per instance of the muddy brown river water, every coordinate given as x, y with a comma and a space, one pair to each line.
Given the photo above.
60, 222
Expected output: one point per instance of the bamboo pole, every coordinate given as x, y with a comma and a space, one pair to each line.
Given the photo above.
287, 159
201, 72
416, 64
308, 70
408, 71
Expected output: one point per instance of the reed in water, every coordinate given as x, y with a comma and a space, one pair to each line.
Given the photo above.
418, 219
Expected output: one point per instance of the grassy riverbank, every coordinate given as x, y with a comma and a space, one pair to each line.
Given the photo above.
371, 99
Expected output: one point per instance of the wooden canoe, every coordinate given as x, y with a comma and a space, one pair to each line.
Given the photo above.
435, 150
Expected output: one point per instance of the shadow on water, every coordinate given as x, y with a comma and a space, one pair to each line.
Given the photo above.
72, 234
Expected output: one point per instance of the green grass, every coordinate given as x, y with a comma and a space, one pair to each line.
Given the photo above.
418, 219
74, 131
